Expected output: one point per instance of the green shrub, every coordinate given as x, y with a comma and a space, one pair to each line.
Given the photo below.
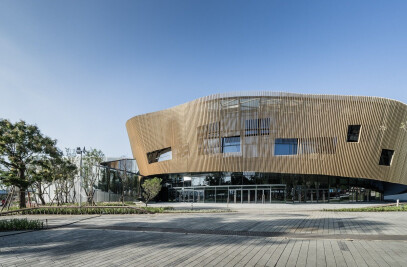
372, 209
83, 210
95, 210
158, 209
20, 224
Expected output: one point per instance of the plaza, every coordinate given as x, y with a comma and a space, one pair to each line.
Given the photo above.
250, 235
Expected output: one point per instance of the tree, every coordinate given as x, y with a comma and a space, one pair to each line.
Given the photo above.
64, 173
124, 176
151, 188
91, 172
24, 152
70, 172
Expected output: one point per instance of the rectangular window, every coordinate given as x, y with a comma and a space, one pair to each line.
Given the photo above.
353, 133
250, 104
231, 144
251, 127
285, 146
257, 127
386, 157
159, 155
317, 145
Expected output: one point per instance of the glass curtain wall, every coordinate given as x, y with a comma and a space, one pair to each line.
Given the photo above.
251, 187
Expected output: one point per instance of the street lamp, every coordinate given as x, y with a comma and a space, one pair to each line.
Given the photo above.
80, 151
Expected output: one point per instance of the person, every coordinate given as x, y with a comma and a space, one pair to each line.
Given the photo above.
3, 201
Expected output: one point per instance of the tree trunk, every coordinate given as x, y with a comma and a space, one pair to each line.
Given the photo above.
21, 174
40, 194
42, 199
22, 198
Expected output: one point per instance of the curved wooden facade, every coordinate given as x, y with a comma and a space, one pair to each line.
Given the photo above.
193, 133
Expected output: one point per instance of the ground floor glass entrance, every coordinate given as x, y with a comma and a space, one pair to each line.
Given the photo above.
252, 187
232, 194
269, 194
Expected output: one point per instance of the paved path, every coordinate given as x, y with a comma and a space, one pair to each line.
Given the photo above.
252, 237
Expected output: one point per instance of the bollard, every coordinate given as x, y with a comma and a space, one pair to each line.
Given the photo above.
398, 201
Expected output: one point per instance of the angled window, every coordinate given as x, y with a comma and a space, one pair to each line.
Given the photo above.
159, 155
231, 144
353, 133
386, 157
285, 146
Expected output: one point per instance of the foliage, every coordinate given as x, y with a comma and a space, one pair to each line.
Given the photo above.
151, 188
372, 209
94, 210
63, 173
25, 154
158, 209
84, 210
199, 211
20, 224
91, 172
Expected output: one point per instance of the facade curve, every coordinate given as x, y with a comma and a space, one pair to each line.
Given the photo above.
279, 133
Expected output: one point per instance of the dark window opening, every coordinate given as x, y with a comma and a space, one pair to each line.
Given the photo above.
353, 133
231, 144
386, 157
287, 146
255, 127
159, 155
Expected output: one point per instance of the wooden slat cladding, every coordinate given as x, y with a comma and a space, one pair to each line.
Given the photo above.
319, 123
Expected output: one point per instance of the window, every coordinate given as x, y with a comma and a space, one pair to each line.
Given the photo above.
159, 155
317, 145
257, 127
386, 157
208, 138
250, 104
353, 133
287, 146
231, 144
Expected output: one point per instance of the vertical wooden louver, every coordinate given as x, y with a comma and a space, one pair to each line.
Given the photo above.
195, 132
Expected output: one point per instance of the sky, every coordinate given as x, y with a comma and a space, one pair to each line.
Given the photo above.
80, 69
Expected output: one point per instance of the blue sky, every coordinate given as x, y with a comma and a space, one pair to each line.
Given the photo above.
81, 69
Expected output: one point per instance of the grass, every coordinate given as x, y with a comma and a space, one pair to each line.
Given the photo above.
20, 224
372, 209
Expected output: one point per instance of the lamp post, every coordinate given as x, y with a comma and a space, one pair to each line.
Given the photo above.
80, 151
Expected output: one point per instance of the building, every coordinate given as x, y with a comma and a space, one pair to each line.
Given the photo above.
262, 147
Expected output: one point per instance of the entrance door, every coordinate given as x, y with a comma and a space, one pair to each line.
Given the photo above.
199, 196
245, 196
238, 193
233, 197
252, 196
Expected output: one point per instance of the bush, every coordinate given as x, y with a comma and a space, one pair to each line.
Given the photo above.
96, 210
158, 209
83, 210
20, 224
372, 209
